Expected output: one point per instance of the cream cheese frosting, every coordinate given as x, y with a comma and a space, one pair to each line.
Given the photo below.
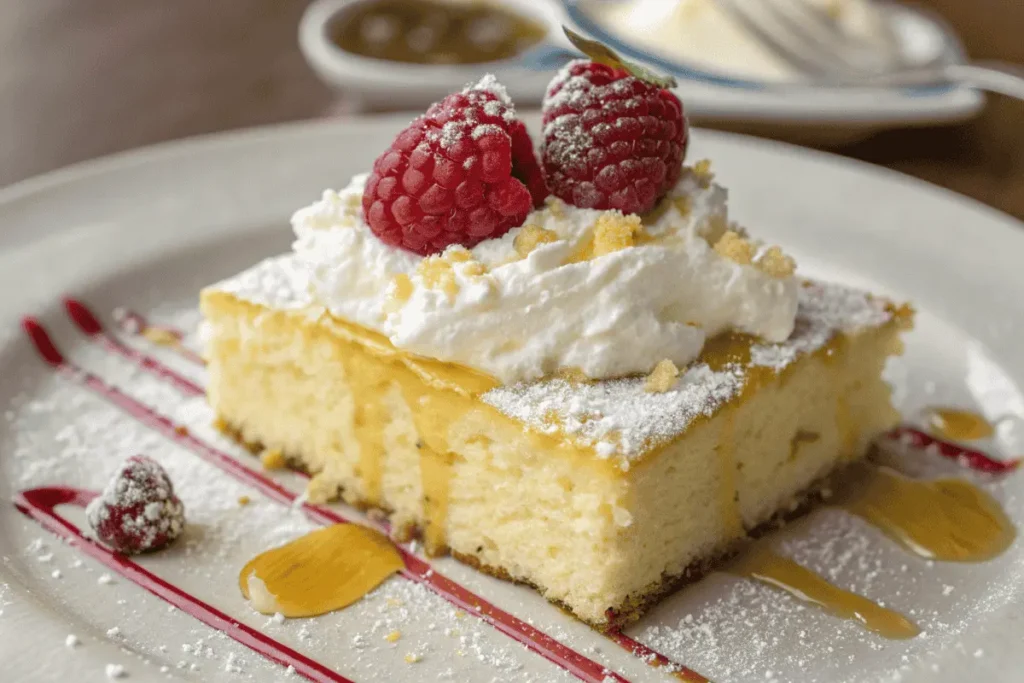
572, 289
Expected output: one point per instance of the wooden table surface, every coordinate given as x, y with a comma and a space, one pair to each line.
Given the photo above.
82, 78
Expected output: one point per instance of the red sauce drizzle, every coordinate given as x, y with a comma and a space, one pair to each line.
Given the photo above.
975, 460
40, 504
135, 324
90, 325
655, 658
416, 569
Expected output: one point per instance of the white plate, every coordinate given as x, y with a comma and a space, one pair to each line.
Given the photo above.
808, 114
148, 228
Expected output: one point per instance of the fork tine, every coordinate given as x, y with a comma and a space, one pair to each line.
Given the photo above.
780, 38
857, 54
822, 38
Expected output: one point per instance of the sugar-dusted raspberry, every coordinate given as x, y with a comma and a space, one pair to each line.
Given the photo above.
612, 140
137, 511
463, 172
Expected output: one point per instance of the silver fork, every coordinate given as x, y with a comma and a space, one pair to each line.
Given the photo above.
805, 37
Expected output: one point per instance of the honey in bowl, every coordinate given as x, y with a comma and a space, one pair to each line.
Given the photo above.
434, 31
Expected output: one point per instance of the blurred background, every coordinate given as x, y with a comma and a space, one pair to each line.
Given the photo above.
83, 78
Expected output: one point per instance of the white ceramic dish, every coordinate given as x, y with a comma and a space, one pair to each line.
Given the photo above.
811, 114
148, 228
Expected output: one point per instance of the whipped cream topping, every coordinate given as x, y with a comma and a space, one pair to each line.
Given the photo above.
572, 289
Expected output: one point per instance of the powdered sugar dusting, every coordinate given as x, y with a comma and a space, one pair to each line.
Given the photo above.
61, 433
620, 417
279, 282
489, 83
825, 309
565, 137
618, 411
492, 99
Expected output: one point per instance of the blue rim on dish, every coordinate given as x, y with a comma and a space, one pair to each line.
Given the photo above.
587, 24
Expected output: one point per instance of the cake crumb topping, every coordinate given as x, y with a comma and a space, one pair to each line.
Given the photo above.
321, 489
662, 378
457, 254
530, 237
437, 273
614, 231
702, 171
735, 246
399, 291
737, 249
273, 459
772, 261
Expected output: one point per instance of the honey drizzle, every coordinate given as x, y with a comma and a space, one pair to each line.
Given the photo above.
771, 569
958, 425
729, 496
323, 571
944, 519
436, 474
369, 417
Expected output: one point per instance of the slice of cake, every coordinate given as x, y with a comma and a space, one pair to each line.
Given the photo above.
592, 401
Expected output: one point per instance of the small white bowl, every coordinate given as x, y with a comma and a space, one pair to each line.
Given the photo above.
396, 85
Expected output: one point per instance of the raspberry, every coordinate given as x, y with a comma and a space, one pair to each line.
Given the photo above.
138, 510
612, 140
463, 172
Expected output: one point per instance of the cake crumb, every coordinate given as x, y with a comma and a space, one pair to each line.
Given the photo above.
273, 459
115, 671
702, 171
244, 500
735, 248
393, 636
71, 641
412, 658
399, 291
662, 378
437, 273
614, 231
474, 269
321, 490
56, 574
772, 261
181, 430
457, 253
556, 207
105, 579
160, 336
531, 237
684, 205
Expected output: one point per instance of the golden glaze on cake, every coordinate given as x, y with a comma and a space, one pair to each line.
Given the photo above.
600, 494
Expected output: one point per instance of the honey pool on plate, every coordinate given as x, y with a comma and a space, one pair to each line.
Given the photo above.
943, 519
434, 32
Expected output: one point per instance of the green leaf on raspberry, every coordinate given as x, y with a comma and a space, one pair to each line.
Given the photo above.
602, 54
